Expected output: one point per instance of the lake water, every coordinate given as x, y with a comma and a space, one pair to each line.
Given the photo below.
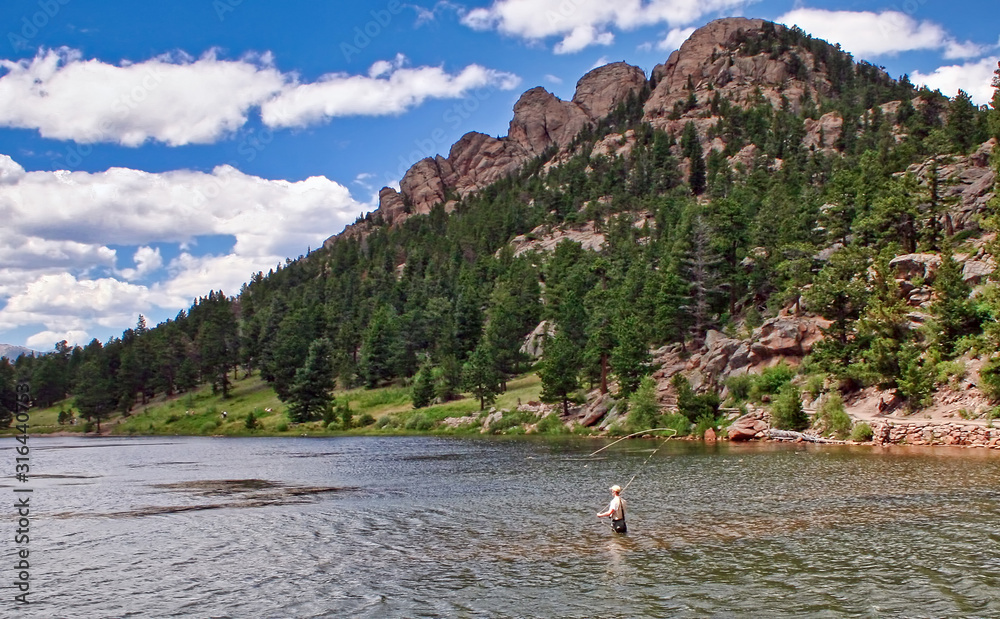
441, 527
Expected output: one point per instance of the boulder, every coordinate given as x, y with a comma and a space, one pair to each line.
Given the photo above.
536, 339
710, 436
746, 428
824, 131
975, 272
909, 266
596, 410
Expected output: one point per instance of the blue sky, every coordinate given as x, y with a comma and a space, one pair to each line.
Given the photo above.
152, 152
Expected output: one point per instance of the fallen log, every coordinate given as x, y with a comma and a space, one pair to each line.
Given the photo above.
789, 435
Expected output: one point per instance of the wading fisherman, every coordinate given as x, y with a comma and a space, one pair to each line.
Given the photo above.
616, 509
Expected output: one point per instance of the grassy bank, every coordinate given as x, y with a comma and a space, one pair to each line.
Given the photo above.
387, 410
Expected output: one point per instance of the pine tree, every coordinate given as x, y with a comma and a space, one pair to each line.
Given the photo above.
381, 348
630, 357
643, 408
961, 122
955, 314
311, 393
423, 386
480, 375
559, 370
95, 397
8, 392
993, 123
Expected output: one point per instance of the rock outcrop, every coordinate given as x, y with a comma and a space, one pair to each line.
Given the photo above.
782, 338
541, 121
968, 182
710, 62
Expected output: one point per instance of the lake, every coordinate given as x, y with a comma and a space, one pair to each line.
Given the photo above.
460, 527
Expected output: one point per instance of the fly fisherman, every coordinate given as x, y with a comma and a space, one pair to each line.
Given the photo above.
616, 509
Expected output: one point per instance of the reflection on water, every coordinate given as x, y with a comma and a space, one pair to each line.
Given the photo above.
428, 527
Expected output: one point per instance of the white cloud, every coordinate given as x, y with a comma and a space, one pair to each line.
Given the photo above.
954, 49
44, 340
674, 38
972, 77
389, 88
170, 99
582, 23
553, 79
62, 301
147, 260
865, 33
178, 100
58, 226
582, 37
600, 62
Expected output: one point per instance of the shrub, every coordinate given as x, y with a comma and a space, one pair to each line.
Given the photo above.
89, 427
510, 420
815, 384
209, 427
831, 417
420, 423
862, 433
772, 379
251, 422
950, 372
989, 378
787, 412
173, 418
739, 387
644, 410
704, 423
384, 422
691, 405
365, 420
552, 424
282, 427
916, 380
678, 422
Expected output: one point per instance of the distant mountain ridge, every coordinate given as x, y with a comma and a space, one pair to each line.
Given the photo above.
13, 352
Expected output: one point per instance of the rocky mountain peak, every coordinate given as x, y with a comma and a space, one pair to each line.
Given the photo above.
600, 91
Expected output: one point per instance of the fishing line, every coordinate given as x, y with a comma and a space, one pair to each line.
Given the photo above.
646, 461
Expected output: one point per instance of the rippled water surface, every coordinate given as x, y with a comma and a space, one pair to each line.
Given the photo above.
438, 527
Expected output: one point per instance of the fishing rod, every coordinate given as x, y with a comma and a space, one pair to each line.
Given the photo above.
653, 453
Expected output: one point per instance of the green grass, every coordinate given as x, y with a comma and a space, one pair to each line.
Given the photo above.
199, 412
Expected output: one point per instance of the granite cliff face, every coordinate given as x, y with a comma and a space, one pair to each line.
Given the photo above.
541, 121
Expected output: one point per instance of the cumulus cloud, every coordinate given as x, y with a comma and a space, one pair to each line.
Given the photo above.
176, 99
43, 340
582, 23
389, 88
63, 301
55, 258
172, 99
674, 39
865, 33
972, 77
147, 260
